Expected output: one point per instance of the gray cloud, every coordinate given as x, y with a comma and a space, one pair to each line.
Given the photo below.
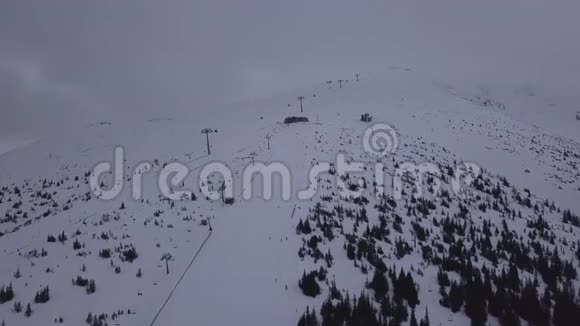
32, 103
66, 61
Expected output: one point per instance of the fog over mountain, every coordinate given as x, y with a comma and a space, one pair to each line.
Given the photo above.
74, 61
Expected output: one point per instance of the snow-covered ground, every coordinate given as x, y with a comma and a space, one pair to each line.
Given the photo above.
248, 269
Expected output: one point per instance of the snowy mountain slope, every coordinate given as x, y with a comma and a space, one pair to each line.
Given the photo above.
271, 295
248, 270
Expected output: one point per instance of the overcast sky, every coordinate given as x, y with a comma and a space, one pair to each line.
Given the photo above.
67, 61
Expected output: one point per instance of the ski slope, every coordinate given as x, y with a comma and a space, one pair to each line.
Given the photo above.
247, 272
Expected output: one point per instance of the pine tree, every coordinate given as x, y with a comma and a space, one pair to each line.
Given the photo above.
475, 305
498, 303
351, 251
302, 320
76, 245
62, 237
413, 319
309, 285
425, 321
364, 312
28, 311
444, 301
379, 284
509, 318
105, 253
400, 313
130, 254
386, 307
530, 307
547, 298
17, 307
456, 297
80, 281
412, 293
6, 293
42, 296
309, 318
91, 287
443, 278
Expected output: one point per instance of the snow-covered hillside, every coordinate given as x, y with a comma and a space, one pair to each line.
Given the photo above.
507, 247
